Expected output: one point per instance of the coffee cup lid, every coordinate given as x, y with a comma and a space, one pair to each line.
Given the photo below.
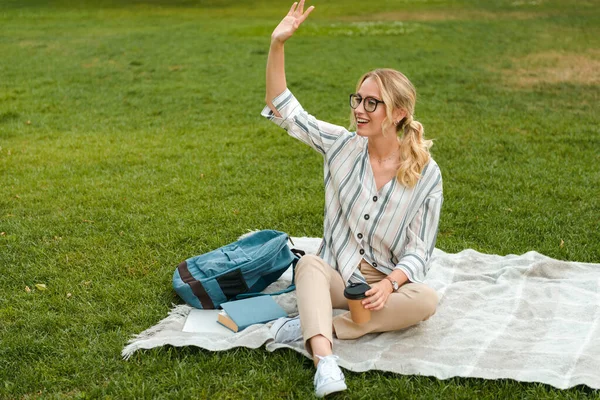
356, 291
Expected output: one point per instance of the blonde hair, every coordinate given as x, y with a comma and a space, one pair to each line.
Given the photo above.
398, 92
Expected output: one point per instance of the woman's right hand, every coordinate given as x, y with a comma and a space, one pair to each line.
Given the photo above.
291, 22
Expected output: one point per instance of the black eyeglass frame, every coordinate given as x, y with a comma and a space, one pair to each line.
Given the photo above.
356, 95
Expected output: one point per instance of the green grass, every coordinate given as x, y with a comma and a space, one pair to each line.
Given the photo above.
130, 139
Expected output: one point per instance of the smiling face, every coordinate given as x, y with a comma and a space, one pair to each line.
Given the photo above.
372, 124
391, 126
369, 123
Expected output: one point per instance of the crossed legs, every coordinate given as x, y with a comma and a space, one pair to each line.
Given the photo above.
320, 289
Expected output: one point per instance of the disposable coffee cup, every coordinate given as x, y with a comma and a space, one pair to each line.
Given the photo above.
355, 294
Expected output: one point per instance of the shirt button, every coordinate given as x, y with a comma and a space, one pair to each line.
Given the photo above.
361, 252
366, 216
359, 235
374, 265
374, 198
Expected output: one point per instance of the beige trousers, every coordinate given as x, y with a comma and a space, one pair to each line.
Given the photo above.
320, 289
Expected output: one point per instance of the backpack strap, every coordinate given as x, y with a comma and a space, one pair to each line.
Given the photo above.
196, 286
298, 253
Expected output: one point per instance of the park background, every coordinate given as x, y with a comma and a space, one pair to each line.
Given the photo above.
130, 139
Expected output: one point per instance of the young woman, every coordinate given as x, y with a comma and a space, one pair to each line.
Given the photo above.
383, 195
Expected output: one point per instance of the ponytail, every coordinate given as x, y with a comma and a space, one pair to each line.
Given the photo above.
414, 151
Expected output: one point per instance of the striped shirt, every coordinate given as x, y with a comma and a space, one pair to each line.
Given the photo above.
394, 227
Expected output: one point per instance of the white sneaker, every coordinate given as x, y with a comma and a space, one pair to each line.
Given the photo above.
329, 377
286, 330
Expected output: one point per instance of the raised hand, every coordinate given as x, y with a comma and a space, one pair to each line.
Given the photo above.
291, 22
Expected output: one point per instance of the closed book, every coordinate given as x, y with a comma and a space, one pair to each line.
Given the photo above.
240, 314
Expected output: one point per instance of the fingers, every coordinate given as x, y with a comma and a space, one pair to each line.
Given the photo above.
305, 15
376, 299
297, 11
373, 291
376, 304
293, 9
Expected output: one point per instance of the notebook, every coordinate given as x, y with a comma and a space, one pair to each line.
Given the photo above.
203, 321
240, 314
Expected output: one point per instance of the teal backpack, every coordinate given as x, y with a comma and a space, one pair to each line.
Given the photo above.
238, 270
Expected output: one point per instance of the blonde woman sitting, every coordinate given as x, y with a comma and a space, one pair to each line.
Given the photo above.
383, 195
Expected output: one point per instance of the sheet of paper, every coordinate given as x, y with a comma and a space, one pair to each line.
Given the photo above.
205, 321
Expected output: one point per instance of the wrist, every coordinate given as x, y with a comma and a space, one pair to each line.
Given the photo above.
390, 285
276, 43
393, 283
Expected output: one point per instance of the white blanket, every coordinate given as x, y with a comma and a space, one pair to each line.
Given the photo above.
529, 318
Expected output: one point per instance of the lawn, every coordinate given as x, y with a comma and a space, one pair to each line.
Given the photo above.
131, 139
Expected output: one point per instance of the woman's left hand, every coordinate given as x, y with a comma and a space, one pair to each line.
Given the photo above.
377, 295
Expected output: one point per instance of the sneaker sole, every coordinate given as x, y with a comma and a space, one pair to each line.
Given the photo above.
331, 387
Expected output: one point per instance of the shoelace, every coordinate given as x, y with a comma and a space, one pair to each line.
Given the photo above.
329, 365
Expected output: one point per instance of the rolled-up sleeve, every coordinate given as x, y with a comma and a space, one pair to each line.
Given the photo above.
301, 125
421, 236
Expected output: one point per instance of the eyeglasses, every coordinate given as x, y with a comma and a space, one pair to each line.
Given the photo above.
370, 102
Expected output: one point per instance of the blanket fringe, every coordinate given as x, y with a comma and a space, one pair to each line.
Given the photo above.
174, 321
